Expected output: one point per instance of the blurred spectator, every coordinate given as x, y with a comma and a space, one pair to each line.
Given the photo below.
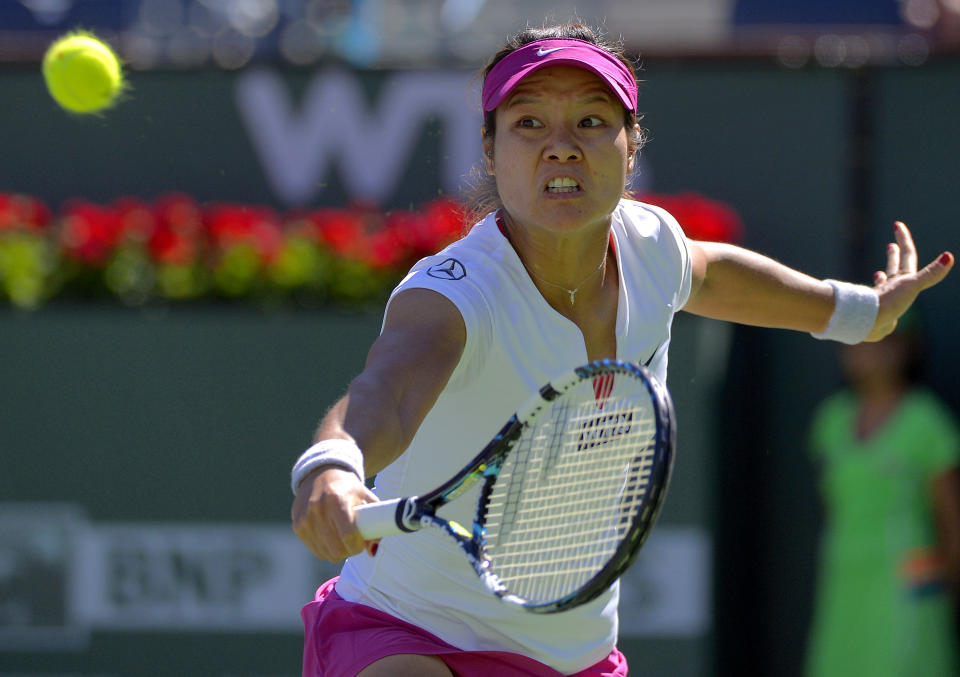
890, 558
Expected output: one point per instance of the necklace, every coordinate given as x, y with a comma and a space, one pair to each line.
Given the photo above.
572, 292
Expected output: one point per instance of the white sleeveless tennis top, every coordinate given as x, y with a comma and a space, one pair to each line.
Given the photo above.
515, 343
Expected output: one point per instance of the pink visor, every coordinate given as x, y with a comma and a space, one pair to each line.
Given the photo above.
533, 56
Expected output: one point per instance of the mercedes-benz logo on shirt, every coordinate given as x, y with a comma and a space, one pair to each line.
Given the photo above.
451, 269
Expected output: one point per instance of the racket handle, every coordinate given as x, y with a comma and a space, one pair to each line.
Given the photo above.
376, 520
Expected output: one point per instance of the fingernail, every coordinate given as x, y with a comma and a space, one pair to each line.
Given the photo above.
945, 258
877, 276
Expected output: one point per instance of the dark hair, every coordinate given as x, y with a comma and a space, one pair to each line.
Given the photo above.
481, 195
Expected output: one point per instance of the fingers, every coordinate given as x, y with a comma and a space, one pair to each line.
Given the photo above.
371, 546
350, 540
902, 260
322, 514
898, 292
893, 260
314, 529
907, 251
934, 272
328, 538
341, 534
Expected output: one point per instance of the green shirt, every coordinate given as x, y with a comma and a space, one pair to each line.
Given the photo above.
882, 609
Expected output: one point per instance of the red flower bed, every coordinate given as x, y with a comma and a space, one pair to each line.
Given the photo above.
175, 248
700, 217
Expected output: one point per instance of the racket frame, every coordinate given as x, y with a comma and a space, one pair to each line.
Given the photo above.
409, 514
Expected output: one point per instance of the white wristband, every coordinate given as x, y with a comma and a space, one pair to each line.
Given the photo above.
854, 313
344, 453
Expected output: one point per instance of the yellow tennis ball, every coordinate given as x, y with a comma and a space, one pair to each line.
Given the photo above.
82, 73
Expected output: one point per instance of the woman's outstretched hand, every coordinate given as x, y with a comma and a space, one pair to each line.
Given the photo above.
901, 282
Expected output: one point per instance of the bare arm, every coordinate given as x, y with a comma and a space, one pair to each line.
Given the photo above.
407, 368
734, 284
738, 285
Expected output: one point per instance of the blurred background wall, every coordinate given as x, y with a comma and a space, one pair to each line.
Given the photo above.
145, 449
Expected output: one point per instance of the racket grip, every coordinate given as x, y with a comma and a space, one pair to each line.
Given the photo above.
376, 520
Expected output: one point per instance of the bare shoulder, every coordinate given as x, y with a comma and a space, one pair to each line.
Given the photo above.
425, 312
423, 330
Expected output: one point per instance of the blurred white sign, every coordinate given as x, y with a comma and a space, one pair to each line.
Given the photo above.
183, 576
62, 576
36, 570
333, 126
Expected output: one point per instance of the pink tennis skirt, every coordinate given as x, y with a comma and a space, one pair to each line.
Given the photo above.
342, 638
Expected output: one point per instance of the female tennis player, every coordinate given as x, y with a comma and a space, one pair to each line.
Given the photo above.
562, 269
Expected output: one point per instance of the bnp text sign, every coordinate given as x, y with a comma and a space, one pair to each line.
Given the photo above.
63, 577
214, 577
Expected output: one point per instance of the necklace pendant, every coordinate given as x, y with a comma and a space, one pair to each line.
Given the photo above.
572, 293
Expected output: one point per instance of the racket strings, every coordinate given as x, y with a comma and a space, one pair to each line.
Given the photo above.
570, 492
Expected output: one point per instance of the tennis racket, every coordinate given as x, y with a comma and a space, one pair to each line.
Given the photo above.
572, 485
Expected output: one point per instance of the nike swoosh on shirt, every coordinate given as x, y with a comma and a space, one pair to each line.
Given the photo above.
544, 52
653, 355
